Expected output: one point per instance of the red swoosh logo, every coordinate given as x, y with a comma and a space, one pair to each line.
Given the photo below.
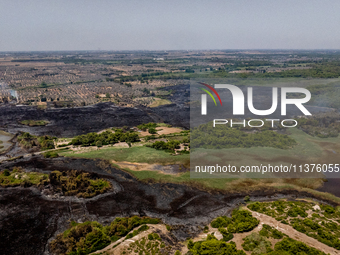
208, 86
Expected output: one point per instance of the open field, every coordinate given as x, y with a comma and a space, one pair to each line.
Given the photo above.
159, 102
139, 154
309, 149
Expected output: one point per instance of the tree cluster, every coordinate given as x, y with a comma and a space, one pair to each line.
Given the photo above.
88, 237
212, 246
146, 126
29, 141
167, 146
105, 138
76, 183
240, 221
290, 246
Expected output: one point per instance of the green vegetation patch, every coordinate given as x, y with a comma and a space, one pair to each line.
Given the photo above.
70, 183
152, 244
105, 138
257, 244
88, 237
289, 246
18, 177
213, 246
146, 126
139, 154
137, 231
76, 183
322, 225
43, 142
32, 123
268, 231
240, 221
227, 236
282, 210
166, 146
50, 154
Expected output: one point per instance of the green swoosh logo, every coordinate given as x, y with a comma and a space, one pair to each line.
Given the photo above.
210, 95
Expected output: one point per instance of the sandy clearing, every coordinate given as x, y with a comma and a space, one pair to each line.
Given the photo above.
162, 131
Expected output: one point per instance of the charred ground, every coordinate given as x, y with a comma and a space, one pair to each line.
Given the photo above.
29, 220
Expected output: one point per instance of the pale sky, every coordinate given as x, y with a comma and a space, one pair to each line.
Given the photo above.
40, 25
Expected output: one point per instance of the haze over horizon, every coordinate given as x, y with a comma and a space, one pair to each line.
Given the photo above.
38, 25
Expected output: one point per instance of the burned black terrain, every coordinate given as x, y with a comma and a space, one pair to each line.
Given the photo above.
29, 220
69, 122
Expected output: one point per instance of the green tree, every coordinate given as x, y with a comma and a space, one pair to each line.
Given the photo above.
152, 131
99, 144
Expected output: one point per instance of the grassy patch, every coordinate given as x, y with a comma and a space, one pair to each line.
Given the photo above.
257, 244
138, 154
71, 183
159, 102
18, 177
50, 154
32, 123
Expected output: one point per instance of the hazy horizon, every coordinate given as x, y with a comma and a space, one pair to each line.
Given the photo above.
84, 25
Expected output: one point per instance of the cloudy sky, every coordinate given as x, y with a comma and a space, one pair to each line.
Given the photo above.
37, 25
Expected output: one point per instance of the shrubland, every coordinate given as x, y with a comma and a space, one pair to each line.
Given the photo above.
105, 138
80, 184
70, 183
29, 141
88, 237
222, 136
323, 224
